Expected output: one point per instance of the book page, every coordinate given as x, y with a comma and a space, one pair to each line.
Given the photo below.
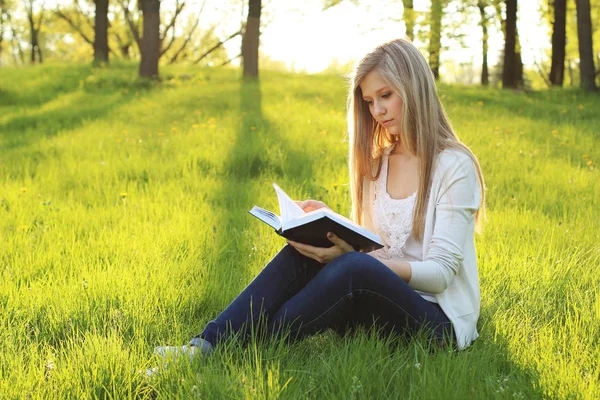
288, 209
267, 217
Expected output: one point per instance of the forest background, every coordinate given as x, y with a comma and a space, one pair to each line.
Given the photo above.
457, 35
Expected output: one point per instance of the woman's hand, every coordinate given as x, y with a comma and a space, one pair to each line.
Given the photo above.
311, 205
321, 254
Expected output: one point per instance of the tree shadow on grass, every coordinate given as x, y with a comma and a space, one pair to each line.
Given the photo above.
44, 84
561, 110
249, 170
77, 95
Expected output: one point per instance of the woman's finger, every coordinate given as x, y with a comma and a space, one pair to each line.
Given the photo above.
305, 247
307, 254
320, 254
311, 205
339, 242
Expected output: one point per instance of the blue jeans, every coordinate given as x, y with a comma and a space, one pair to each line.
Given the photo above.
297, 296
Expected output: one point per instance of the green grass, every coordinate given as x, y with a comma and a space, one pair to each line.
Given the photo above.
124, 225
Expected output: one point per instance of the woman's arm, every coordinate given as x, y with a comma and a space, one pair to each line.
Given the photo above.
454, 222
400, 268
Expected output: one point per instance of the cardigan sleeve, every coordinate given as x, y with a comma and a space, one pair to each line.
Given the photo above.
457, 201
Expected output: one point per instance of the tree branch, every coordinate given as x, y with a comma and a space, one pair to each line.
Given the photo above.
72, 24
40, 20
187, 40
542, 73
230, 60
221, 43
86, 18
168, 46
134, 30
171, 24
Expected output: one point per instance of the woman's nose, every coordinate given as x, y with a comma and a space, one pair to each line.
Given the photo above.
379, 109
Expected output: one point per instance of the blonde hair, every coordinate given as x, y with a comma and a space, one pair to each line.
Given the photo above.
425, 131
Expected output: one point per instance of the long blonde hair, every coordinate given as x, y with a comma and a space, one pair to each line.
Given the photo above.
426, 129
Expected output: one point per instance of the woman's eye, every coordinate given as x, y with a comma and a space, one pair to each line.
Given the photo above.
369, 102
386, 95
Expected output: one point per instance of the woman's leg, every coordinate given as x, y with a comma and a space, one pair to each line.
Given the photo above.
356, 288
284, 276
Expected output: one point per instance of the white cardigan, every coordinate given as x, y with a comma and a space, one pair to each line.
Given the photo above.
449, 266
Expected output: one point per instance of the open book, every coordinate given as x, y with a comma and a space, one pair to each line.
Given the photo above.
312, 227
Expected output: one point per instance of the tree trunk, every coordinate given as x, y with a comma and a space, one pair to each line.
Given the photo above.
101, 32
39, 52
435, 37
519, 60
151, 38
33, 37
34, 33
559, 41
510, 78
570, 71
1, 37
485, 75
586, 52
250, 40
409, 19
498, 7
125, 51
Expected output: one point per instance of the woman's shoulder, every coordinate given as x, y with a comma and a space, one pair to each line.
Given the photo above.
454, 161
449, 157
452, 156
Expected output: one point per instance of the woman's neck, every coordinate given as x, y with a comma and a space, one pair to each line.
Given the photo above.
401, 150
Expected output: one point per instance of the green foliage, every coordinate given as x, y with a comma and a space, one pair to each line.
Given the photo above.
124, 225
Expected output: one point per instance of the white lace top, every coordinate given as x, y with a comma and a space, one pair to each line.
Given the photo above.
392, 217
393, 220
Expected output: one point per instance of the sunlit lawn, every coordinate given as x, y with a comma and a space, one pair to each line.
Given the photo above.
124, 225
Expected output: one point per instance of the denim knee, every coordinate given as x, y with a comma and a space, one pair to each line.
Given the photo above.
286, 254
353, 264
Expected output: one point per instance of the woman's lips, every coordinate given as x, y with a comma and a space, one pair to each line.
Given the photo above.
386, 122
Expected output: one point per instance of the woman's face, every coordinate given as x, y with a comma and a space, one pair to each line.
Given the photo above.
384, 103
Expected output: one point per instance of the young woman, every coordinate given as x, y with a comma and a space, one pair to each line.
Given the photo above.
415, 184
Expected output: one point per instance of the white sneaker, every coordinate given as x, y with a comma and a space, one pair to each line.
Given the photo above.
176, 351
197, 348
